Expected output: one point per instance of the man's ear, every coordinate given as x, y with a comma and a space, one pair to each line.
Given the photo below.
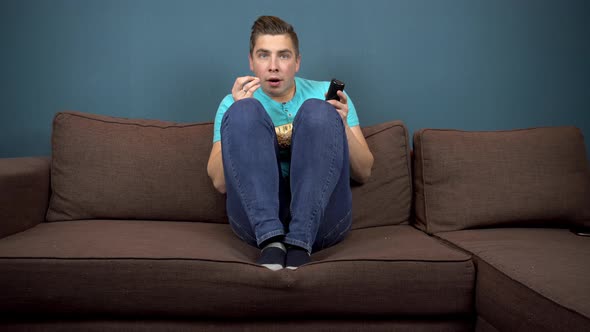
250, 61
297, 63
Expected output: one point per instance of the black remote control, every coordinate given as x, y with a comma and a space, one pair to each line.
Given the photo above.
335, 85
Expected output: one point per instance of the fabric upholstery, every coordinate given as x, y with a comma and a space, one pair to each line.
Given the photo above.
386, 198
481, 325
340, 324
24, 193
531, 177
115, 168
529, 279
201, 270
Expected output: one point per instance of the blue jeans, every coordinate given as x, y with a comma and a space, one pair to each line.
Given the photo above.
312, 207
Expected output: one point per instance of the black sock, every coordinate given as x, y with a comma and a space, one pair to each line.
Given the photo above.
294, 247
296, 256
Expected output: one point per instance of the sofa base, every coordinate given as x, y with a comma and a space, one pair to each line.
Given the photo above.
482, 325
238, 325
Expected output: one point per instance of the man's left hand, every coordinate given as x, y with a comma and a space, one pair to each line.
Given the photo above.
341, 106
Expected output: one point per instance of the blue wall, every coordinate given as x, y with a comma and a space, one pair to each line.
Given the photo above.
465, 64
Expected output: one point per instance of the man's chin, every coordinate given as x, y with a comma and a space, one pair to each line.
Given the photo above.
277, 93
272, 91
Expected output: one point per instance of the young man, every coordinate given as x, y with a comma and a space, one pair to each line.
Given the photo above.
284, 156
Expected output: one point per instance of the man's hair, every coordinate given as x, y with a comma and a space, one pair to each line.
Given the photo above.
272, 25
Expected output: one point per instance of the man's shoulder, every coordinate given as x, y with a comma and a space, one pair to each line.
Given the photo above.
226, 102
311, 83
227, 99
310, 88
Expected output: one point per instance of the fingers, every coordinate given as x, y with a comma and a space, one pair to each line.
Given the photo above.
241, 81
343, 116
333, 103
250, 83
244, 87
343, 98
250, 90
341, 95
340, 106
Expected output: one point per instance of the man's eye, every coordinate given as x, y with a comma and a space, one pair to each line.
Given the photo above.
263, 56
285, 56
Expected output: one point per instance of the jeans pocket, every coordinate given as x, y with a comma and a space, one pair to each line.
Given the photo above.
338, 233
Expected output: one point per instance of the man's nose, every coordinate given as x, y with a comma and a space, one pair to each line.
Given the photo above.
273, 64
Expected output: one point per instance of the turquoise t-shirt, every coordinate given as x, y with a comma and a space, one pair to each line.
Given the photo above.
284, 113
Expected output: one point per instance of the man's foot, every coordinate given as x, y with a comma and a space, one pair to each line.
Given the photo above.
273, 256
296, 257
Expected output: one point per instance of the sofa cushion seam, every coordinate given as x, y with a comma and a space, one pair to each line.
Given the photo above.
221, 261
392, 125
178, 125
423, 180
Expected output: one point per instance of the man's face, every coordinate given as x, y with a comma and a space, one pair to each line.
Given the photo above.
275, 62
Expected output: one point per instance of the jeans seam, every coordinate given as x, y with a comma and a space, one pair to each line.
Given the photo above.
335, 228
242, 234
299, 243
338, 224
326, 185
270, 234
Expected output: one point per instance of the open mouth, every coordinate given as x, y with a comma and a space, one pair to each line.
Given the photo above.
273, 81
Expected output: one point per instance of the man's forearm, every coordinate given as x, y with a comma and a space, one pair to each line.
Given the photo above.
215, 171
360, 158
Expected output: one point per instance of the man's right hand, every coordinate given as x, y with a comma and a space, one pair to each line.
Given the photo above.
244, 87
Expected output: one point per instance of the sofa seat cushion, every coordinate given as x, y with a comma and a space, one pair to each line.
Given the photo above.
532, 279
101, 268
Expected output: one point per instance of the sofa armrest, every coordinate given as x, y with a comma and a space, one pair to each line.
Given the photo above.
24, 193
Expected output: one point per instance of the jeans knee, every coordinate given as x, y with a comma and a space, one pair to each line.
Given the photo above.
316, 113
245, 113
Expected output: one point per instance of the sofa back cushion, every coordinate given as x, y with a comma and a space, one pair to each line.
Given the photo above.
115, 168
386, 198
106, 167
537, 176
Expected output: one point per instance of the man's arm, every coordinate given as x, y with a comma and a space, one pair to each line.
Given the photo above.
361, 158
215, 168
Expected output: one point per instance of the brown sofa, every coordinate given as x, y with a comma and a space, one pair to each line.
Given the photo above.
121, 229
